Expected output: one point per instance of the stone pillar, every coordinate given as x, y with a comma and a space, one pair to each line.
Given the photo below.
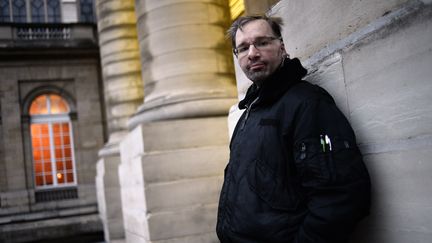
123, 92
173, 159
186, 61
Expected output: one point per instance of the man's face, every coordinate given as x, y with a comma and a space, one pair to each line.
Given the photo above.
260, 60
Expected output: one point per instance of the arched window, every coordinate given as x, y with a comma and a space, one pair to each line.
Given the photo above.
52, 142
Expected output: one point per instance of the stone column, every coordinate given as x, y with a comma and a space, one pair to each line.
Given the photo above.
186, 61
123, 93
173, 158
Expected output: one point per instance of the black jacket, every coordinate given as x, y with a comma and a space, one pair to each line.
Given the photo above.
283, 182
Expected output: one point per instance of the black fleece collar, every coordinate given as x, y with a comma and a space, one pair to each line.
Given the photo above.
290, 73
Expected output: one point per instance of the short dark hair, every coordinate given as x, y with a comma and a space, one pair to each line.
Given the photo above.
274, 22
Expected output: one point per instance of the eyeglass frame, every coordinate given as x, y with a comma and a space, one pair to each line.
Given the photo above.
254, 43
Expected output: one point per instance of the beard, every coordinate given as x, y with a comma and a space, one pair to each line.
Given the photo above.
257, 76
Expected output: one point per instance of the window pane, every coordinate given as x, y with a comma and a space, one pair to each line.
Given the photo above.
53, 7
57, 141
37, 155
65, 127
60, 178
70, 177
87, 11
44, 130
69, 165
58, 105
48, 179
47, 167
60, 166
39, 106
56, 128
37, 11
67, 152
46, 154
38, 168
58, 154
19, 11
39, 181
36, 142
66, 140
35, 129
55, 105
4, 11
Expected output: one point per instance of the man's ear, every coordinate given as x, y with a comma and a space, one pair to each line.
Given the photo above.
282, 48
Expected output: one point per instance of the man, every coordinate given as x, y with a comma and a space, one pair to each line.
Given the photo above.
295, 173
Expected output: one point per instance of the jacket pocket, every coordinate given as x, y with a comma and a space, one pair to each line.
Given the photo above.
271, 188
313, 164
323, 166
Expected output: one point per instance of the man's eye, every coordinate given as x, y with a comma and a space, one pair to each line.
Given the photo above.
242, 48
262, 43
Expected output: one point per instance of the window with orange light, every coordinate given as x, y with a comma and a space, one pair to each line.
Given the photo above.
52, 142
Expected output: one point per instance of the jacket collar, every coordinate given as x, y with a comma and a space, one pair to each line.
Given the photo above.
290, 73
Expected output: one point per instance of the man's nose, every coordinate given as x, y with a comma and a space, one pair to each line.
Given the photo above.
253, 52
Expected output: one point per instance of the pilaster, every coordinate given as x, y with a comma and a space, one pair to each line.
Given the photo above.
123, 93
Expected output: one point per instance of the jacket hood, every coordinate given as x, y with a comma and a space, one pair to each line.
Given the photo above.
290, 73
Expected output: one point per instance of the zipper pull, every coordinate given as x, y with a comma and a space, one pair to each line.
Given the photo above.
248, 108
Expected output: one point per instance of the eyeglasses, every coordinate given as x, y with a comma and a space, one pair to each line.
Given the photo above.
261, 44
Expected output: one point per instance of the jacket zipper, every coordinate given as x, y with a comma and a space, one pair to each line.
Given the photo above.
248, 109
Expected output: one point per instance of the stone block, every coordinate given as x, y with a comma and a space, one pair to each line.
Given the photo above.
184, 164
189, 61
389, 91
401, 202
210, 237
325, 22
133, 199
109, 197
188, 221
167, 196
174, 135
329, 74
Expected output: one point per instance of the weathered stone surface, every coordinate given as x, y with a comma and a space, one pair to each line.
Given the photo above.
192, 163
336, 20
169, 62
109, 198
402, 205
170, 177
330, 75
389, 91
383, 63
120, 61
174, 135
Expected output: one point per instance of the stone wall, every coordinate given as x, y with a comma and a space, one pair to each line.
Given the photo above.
22, 218
375, 58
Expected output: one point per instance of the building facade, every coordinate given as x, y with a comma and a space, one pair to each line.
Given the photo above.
52, 120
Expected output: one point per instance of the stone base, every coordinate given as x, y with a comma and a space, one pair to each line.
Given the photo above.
109, 200
170, 176
46, 229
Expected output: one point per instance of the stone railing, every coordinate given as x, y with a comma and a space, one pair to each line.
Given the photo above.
14, 33
43, 33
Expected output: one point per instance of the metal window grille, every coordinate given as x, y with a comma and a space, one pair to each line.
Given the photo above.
56, 195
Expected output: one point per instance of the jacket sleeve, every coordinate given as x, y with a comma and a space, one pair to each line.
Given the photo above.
334, 181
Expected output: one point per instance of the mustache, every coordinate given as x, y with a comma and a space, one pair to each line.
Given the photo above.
252, 63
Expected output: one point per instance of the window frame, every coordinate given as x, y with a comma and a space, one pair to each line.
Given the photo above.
29, 13
50, 120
